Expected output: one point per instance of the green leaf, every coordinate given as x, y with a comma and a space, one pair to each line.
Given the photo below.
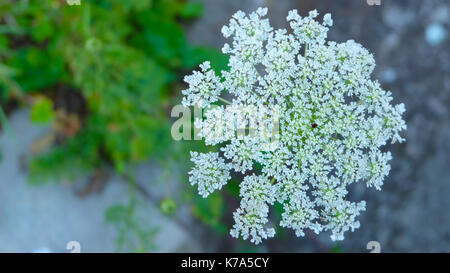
78, 156
116, 213
162, 38
196, 55
7, 71
140, 148
210, 210
42, 111
36, 68
233, 187
43, 30
131, 230
192, 10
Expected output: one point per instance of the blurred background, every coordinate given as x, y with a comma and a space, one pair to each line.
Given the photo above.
85, 148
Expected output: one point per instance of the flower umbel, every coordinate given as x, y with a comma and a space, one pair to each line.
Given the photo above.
332, 121
210, 172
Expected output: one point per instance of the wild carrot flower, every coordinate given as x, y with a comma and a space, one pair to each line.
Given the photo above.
332, 120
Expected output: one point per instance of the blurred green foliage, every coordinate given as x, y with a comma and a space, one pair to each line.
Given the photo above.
168, 206
132, 233
124, 61
42, 111
122, 56
210, 211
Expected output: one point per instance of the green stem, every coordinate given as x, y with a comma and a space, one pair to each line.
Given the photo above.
224, 100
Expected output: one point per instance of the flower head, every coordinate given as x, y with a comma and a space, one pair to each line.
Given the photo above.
210, 172
331, 121
204, 87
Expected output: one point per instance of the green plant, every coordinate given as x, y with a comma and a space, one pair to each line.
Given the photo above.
124, 57
42, 111
134, 231
104, 73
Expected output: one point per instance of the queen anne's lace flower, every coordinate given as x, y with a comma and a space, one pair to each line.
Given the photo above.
332, 121
257, 189
204, 88
210, 172
250, 221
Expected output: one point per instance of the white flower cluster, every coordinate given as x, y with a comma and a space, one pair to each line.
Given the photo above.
221, 124
210, 172
333, 120
252, 216
204, 87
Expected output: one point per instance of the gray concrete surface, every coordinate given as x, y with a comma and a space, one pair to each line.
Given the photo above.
45, 218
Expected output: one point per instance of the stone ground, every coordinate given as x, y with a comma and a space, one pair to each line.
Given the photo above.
45, 218
411, 213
